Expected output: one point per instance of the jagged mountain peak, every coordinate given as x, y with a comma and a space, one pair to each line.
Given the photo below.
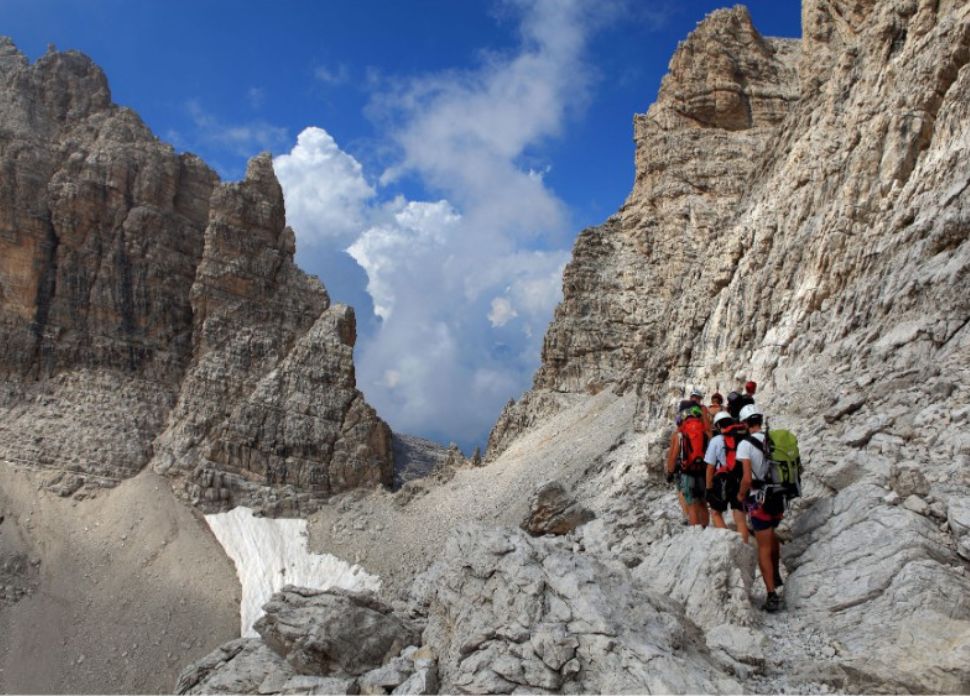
154, 301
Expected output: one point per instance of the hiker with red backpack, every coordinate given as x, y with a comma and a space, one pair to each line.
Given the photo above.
685, 461
697, 396
724, 473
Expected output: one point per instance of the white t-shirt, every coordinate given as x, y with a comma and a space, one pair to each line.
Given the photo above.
716, 454
759, 464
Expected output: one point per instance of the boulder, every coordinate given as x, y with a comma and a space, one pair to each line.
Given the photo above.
710, 571
242, 666
387, 677
740, 643
552, 511
916, 504
907, 481
508, 612
883, 580
332, 632
423, 681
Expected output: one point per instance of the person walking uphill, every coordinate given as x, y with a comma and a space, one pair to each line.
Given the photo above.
685, 461
724, 473
765, 504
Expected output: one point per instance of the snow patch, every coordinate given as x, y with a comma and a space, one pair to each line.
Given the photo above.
270, 553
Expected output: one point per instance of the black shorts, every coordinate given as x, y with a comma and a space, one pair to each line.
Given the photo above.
726, 491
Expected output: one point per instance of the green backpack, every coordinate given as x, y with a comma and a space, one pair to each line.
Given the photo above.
785, 462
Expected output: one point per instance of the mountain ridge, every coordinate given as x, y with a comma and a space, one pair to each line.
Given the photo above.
153, 303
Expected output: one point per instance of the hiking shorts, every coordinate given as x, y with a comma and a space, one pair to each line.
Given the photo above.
726, 488
693, 487
765, 512
760, 525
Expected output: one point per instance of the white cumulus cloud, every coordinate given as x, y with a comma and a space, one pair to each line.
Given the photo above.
326, 192
464, 283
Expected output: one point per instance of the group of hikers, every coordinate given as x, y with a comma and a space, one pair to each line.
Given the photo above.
723, 457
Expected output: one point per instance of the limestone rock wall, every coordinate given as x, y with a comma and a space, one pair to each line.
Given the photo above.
797, 209
637, 286
140, 298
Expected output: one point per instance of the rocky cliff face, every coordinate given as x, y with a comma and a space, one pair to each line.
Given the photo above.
637, 286
797, 208
140, 298
801, 216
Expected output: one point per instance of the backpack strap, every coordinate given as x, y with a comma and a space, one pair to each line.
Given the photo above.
756, 443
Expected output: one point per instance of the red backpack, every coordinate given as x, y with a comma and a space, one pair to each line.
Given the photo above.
733, 435
693, 445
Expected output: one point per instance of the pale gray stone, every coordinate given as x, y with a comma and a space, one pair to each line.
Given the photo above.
710, 571
590, 628
304, 684
423, 681
239, 667
916, 504
907, 481
332, 632
386, 677
742, 643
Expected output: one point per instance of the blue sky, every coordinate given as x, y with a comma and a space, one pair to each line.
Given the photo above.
455, 148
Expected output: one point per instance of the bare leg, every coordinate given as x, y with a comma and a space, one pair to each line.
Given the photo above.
697, 514
766, 539
683, 504
775, 553
717, 519
741, 522
705, 518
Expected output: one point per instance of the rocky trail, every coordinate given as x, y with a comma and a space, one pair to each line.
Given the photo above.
636, 546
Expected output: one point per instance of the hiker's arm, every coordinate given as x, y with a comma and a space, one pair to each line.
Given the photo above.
710, 458
745, 479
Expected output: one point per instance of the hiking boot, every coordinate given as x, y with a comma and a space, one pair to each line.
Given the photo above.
778, 581
772, 603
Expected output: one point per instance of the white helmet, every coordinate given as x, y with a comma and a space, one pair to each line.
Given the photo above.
721, 416
696, 391
750, 411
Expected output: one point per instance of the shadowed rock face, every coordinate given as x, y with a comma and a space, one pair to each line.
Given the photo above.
140, 297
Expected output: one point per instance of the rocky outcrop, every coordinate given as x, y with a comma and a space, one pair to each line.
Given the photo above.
332, 632
826, 229
318, 642
709, 571
547, 619
697, 149
907, 582
270, 395
552, 511
141, 299
500, 612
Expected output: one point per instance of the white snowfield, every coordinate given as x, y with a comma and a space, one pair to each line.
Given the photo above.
269, 553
